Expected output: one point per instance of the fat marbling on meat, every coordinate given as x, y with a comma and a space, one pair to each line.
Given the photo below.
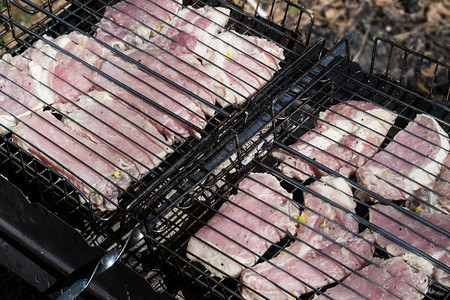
345, 137
245, 227
325, 221
243, 63
20, 95
158, 92
103, 119
322, 227
437, 198
192, 30
134, 21
65, 75
392, 278
411, 161
314, 269
92, 168
400, 225
183, 69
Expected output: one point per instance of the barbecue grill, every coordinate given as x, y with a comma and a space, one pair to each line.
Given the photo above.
173, 201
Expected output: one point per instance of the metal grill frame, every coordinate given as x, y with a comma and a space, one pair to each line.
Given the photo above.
251, 137
56, 192
170, 228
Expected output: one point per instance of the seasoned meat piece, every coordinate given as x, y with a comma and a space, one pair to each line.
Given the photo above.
103, 119
438, 197
158, 92
401, 226
327, 225
20, 95
95, 53
134, 21
183, 69
192, 30
66, 76
245, 227
392, 279
243, 63
343, 139
413, 159
297, 275
326, 222
94, 169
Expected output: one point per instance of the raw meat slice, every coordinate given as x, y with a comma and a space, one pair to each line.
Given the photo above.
245, 227
105, 120
83, 48
313, 269
403, 231
344, 138
158, 92
392, 279
326, 222
243, 63
85, 42
20, 95
413, 159
60, 72
134, 21
64, 75
81, 161
192, 30
19, 61
286, 268
438, 198
183, 69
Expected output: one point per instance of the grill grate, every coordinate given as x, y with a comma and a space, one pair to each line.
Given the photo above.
293, 113
181, 195
54, 19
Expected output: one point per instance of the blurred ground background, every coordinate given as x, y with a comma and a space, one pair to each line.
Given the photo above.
421, 25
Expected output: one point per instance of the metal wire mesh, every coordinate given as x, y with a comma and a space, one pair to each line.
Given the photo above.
52, 20
294, 113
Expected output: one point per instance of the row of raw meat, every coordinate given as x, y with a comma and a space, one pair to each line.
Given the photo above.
414, 166
327, 244
345, 139
161, 91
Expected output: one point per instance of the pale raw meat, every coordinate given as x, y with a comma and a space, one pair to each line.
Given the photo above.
19, 61
65, 74
192, 30
109, 121
184, 69
314, 269
67, 77
439, 250
243, 63
438, 198
94, 47
83, 48
412, 160
244, 235
158, 92
73, 156
286, 269
328, 221
134, 21
392, 279
20, 95
343, 139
